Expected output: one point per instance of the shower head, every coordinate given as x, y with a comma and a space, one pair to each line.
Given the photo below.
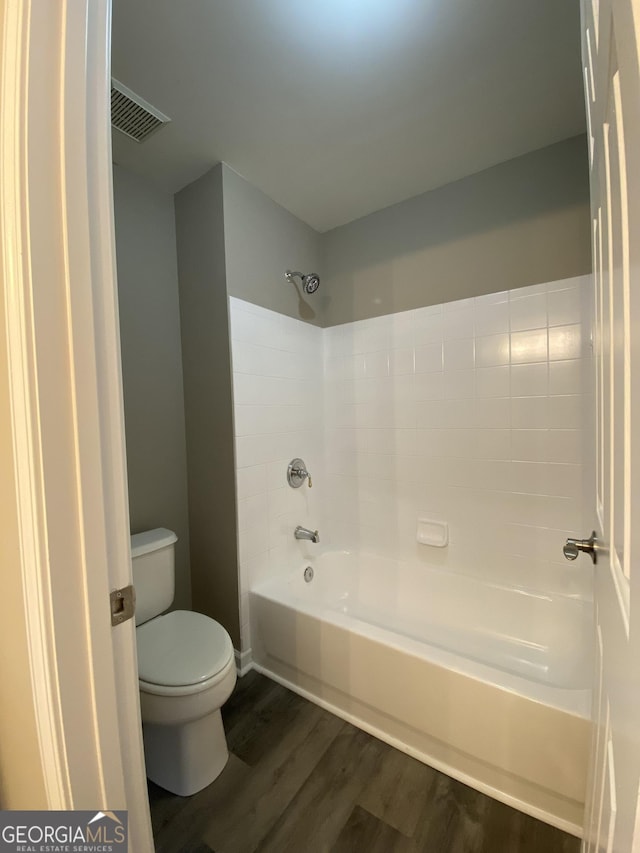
310, 283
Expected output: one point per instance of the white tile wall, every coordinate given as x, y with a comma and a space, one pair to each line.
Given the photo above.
479, 423
278, 409
471, 412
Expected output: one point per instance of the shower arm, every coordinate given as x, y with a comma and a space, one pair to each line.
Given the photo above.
310, 283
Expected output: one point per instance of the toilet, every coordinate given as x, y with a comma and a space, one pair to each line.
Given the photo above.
186, 670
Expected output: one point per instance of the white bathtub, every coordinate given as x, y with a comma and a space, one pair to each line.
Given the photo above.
488, 684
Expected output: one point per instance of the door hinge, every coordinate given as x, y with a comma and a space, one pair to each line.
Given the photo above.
123, 604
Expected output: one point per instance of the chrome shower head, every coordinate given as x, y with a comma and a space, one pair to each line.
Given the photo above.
310, 283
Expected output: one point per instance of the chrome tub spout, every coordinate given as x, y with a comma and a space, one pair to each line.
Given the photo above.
303, 533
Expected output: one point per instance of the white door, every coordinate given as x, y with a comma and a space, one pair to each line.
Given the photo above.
610, 39
62, 429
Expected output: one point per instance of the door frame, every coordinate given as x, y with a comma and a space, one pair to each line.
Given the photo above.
64, 431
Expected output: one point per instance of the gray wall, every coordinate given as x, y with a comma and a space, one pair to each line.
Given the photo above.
523, 222
208, 400
262, 241
152, 365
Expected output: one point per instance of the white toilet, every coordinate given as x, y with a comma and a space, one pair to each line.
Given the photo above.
187, 671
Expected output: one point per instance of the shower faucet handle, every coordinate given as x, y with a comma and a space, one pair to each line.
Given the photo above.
297, 473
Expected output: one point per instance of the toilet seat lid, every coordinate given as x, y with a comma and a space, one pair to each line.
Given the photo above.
182, 648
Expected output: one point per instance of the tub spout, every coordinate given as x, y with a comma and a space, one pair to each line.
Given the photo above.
303, 533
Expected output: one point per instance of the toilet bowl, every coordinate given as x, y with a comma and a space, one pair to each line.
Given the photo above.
186, 670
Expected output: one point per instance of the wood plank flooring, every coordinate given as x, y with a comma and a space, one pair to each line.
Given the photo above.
300, 780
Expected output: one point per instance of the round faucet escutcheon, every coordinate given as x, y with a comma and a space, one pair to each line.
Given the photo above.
297, 473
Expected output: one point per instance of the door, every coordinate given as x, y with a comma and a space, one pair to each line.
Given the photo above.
61, 423
610, 37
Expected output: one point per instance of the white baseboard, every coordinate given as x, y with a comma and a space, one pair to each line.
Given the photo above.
244, 661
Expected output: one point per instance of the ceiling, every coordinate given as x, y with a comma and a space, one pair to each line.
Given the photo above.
337, 108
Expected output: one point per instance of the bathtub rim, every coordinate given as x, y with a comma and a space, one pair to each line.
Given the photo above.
575, 701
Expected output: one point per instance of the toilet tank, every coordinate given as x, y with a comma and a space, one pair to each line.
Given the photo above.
152, 556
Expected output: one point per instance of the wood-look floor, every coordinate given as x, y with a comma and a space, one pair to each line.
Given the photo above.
300, 780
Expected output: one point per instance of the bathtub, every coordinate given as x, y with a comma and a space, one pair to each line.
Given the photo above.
489, 684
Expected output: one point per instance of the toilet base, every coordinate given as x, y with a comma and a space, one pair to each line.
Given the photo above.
185, 758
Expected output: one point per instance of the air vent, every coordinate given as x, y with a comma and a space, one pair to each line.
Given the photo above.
133, 116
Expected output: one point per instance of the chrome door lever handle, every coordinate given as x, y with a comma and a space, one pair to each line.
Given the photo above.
589, 546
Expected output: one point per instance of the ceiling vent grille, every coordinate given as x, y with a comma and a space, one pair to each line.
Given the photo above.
133, 116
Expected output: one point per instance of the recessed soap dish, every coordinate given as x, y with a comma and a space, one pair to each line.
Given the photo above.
433, 532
